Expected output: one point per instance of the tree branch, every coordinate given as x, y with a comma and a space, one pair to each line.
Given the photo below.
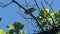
29, 14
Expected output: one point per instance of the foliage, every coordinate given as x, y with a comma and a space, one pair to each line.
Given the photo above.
2, 32
46, 18
14, 28
45, 15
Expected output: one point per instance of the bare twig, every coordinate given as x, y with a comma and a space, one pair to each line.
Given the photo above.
27, 25
22, 15
1, 4
51, 2
48, 5
5, 5
37, 5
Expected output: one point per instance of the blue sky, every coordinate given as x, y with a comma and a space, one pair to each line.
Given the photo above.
9, 13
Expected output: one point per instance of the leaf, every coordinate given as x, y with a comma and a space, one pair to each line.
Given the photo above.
56, 22
7, 32
24, 32
58, 32
56, 13
47, 10
2, 32
44, 12
11, 32
18, 25
52, 15
49, 19
10, 27
44, 24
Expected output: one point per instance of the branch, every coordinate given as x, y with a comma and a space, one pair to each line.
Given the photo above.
6, 4
37, 22
48, 4
51, 2
29, 14
18, 4
37, 5
1, 4
40, 12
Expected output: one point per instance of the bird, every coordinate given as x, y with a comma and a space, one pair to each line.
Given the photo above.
29, 11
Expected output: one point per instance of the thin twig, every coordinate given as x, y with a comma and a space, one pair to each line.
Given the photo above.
37, 5
6, 4
27, 25
51, 2
22, 15
48, 5
1, 4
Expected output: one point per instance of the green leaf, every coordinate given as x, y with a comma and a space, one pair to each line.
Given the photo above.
44, 24
11, 32
56, 13
7, 32
18, 25
52, 15
44, 12
47, 10
58, 32
10, 27
24, 32
2, 32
